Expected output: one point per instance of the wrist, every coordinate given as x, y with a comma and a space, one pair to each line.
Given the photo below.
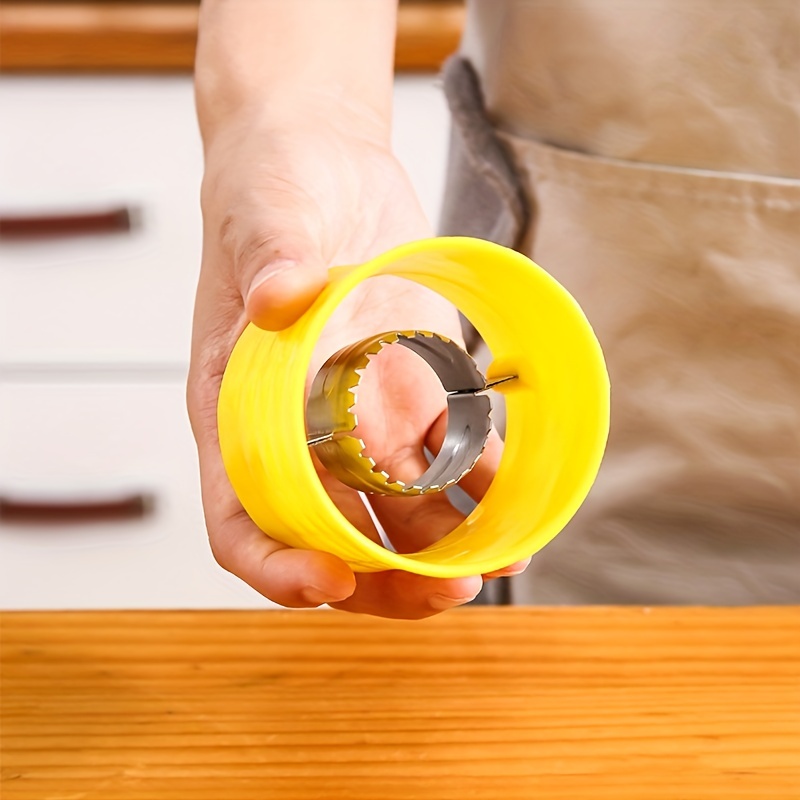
327, 108
279, 63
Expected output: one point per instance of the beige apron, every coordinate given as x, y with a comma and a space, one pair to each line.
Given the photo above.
647, 154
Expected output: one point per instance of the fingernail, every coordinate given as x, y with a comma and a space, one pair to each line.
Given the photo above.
270, 271
510, 573
316, 597
441, 602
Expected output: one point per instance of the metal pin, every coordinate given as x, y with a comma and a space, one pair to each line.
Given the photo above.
321, 439
486, 387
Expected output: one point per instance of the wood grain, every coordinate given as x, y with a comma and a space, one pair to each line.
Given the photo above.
130, 36
478, 703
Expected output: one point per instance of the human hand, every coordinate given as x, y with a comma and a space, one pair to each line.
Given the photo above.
280, 206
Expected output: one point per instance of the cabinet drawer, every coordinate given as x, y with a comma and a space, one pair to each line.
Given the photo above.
101, 503
87, 289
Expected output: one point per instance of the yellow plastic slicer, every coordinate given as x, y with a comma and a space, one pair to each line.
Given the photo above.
557, 409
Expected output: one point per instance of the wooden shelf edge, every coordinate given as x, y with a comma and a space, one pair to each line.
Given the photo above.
130, 37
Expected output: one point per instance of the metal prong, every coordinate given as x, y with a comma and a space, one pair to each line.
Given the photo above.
325, 437
497, 382
487, 386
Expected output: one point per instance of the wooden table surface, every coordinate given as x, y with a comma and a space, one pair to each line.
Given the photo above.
478, 703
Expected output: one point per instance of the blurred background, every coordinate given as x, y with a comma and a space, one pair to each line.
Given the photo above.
100, 235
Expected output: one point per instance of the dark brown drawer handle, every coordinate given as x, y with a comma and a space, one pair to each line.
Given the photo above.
64, 512
88, 223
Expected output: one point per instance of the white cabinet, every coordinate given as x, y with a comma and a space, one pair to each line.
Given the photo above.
115, 463
78, 146
94, 340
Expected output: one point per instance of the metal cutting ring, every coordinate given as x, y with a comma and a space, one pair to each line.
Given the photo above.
331, 416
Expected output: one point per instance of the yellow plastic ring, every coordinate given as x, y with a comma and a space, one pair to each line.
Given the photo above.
557, 412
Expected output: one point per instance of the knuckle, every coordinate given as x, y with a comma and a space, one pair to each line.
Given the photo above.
255, 252
222, 548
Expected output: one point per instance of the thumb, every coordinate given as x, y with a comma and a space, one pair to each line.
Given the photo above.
280, 282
